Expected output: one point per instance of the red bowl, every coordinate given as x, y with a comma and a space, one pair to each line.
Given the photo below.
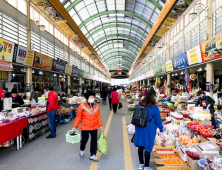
207, 135
208, 126
192, 156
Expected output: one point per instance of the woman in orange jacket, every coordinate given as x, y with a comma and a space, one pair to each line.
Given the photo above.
88, 114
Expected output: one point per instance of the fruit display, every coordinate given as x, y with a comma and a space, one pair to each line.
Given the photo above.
206, 146
214, 162
174, 162
185, 140
206, 133
190, 124
180, 132
204, 111
164, 149
163, 141
163, 118
170, 157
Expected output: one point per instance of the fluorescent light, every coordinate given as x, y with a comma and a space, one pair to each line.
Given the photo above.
200, 69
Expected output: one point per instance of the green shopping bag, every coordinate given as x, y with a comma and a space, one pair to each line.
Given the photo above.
102, 143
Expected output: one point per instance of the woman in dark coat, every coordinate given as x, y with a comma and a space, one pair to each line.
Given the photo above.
144, 137
104, 94
17, 101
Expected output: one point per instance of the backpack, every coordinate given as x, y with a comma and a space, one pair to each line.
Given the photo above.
140, 117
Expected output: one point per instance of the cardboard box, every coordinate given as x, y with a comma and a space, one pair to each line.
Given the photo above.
192, 163
202, 139
161, 162
159, 155
164, 152
210, 147
165, 167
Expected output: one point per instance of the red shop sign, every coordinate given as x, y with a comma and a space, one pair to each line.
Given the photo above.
5, 66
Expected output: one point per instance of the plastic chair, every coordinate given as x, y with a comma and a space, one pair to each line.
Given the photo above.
61, 119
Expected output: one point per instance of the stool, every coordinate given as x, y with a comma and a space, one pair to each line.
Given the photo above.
72, 114
61, 119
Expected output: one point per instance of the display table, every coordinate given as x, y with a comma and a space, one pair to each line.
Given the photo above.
37, 125
12, 130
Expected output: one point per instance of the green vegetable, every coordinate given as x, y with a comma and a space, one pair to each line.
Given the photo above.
131, 109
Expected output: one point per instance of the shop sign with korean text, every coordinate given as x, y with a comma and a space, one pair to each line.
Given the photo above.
6, 50
42, 61
160, 70
75, 71
150, 74
180, 61
193, 77
5, 66
194, 55
169, 66
212, 48
58, 66
68, 69
22, 55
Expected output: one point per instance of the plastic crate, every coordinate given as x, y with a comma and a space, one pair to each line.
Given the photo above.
73, 138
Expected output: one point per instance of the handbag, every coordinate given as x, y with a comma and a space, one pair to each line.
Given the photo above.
132, 140
120, 105
102, 143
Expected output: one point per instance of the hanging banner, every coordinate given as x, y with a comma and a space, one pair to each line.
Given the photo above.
180, 61
160, 70
150, 74
5, 66
169, 66
4, 75
22, 55
6, 50
194, 55
58, 66
42, 61
212, 48
68, 69
75, 71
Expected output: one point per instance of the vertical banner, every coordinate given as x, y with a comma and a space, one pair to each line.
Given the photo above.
68, 69
169, 66
194, 55
6, 50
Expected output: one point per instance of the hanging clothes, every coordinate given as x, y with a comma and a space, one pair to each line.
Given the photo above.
187, 78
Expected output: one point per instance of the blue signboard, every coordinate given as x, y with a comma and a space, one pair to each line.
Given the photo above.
58, 66
75, 71
180, 61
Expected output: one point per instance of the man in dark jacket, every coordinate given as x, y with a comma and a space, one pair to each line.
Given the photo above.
51, 109
207, 102
104, 94
109, 96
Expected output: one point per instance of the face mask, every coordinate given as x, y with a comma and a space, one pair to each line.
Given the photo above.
91, 100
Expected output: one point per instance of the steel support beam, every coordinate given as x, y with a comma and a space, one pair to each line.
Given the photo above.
117, 49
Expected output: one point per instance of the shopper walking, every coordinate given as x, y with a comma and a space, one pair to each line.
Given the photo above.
115, 99
104, 94
109, 96
144, 137
51, 109
207, 102
88, 114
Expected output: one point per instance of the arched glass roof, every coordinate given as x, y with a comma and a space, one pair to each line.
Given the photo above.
115, 27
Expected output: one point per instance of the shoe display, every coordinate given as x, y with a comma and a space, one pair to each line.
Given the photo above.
50, 136
81, 154
141, 167
94, 158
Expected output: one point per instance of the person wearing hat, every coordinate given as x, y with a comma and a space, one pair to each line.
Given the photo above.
1, 99
17, 101
206, 102
88, 114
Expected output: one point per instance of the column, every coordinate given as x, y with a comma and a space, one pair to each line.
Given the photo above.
210, 76
69, 77
137, 85
9, 76
143, 82
28, 70
168, 91
94, 85
148, 82
80, 84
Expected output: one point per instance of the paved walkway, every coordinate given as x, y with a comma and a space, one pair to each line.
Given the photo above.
56, 154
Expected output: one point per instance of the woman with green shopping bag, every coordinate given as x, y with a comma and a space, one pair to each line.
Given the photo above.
88, 114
